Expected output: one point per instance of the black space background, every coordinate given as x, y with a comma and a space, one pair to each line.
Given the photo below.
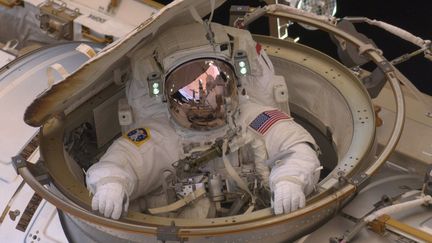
414, 16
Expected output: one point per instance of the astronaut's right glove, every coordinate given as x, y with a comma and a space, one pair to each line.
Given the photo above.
288, 196
108, 199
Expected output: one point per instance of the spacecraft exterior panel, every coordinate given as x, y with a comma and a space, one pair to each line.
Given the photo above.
21, 82
27, 217
392, 181
415, 143
91, 78
36, 221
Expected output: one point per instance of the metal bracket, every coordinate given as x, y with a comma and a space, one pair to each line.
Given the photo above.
57, 20
169, 233
374, 82
18, 162
237, 12
358, 179
385, 66
38, 170
349, 53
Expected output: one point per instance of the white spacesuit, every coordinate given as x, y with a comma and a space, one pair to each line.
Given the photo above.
219, 94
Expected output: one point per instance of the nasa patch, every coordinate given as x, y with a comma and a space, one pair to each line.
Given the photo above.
138, 136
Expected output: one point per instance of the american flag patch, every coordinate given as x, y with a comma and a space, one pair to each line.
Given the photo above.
265, 120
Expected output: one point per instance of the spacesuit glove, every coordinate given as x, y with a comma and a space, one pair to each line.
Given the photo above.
108, 199
288, 196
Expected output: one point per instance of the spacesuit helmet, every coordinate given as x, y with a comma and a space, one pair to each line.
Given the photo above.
202, 93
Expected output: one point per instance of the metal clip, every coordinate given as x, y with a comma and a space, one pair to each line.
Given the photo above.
38, 169
169, 233
18, 162
358, 179
385, 66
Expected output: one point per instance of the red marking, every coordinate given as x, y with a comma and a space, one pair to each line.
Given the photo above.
258, 48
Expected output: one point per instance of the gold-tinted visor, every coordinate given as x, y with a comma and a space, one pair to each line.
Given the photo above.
201, 92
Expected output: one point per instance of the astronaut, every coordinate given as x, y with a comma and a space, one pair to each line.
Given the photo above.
200, 89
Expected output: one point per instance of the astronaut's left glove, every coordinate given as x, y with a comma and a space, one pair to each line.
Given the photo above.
293, 177
287, 197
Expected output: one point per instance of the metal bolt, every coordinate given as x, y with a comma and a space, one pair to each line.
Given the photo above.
14, 214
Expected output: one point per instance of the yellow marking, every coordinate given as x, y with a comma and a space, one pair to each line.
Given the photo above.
392, 223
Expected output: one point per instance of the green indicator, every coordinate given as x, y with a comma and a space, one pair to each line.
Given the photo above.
155, 91
243, 70
242, 64
155, 85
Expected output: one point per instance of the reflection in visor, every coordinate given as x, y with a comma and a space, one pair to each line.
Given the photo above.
197, 92
197, 89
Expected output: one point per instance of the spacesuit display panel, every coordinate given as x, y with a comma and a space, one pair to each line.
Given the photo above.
210, 144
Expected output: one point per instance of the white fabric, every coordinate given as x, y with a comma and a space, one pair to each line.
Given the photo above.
260, 155
401, 207
294, 177
260, 84
143, 106
288, 197
139, 169
301, 164
109, 199
301, 161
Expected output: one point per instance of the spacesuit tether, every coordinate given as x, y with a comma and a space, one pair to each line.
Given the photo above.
209, 131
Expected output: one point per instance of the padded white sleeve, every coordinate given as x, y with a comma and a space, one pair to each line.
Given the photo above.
114, 166
301, 163
299, 167
288, 137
